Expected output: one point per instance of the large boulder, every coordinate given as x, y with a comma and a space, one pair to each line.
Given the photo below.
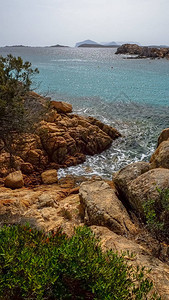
164, 136
49, 176
61, 107
123, 177
160, 158
100, 206
144, 188
14, 180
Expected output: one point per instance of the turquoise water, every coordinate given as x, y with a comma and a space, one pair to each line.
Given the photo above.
131, 95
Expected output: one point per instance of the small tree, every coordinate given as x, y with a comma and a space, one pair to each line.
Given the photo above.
15, 82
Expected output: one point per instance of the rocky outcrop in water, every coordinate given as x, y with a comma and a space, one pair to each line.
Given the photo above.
61, 139
143, 52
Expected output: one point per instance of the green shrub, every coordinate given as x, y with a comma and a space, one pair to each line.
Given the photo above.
15, 82
157, 215
38, 266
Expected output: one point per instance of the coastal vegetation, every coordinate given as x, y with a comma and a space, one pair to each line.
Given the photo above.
34, 265
156, 214
15, 82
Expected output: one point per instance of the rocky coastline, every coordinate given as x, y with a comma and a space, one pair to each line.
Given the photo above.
143, 52
61, 139
112, 209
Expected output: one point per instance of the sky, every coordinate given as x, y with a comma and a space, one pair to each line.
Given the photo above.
50, 22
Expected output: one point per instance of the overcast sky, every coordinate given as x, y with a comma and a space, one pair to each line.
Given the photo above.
48, 22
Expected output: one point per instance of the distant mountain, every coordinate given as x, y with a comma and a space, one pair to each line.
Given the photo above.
92, 44
86, 42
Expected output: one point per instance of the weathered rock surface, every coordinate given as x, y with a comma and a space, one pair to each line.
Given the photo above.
129, 49
164, 136
61, 140
160, 158
49, 176
14, 180
61, 107
100, 206
145, 186
159, 271
46, 207
143, 52
124, 176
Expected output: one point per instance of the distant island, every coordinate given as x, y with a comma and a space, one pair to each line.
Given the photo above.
93, 44
97, 46
58, 46
17, 46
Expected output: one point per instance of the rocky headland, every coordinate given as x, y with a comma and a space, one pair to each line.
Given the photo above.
61, 139
143, 52
114, 209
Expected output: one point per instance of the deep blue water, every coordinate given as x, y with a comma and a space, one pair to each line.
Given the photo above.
129, 94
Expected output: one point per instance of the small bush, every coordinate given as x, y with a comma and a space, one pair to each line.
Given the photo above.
157, 215
38, 266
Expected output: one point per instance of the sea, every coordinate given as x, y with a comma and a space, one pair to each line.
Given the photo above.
131, 95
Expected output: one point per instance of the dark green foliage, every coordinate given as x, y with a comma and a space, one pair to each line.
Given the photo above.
38, 266
157, 215
15, 81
